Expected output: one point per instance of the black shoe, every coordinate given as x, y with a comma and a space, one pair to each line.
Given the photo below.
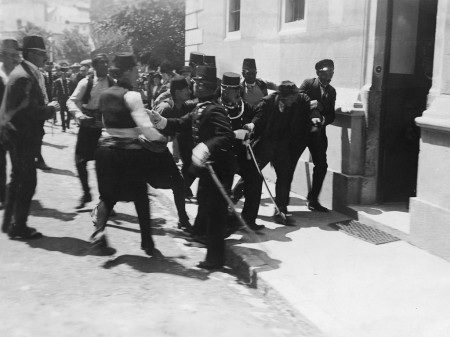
256, 227
148, 247
23, 232
185, 225
83, 201
210, 265
281, 219
314, 205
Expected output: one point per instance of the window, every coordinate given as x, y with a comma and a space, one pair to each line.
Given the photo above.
295, 10
234, 20
293, 17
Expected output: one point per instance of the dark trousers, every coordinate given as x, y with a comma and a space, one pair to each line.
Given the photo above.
23, 182
64, 114
214, 211
317, 143
165, 175
251, 185
87, 141
2, 173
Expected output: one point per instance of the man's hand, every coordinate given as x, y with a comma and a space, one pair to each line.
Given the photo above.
314, 104
249, 127
200, 155
83, 120
241, 134
55, 105
157, 120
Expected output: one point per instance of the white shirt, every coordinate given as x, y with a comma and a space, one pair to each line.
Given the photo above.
74, 103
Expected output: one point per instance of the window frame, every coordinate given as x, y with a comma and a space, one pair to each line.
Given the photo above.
292, 26
236, 34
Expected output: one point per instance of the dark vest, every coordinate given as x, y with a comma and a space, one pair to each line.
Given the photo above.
114, 110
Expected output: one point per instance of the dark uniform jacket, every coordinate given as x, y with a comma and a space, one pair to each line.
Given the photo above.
211, 126
62, 89
311, 87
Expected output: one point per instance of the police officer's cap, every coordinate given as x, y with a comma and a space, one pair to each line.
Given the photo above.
325, 64
287, 88
206, 74
196, 58
124, 61
178, 83
249, 64
231, 80
209, 60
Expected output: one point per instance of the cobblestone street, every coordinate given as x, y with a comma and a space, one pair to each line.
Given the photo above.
56, 286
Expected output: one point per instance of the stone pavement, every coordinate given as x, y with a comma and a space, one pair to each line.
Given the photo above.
57, 286
346, 287
324, 282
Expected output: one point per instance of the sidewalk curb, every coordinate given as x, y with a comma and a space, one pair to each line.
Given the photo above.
248, 267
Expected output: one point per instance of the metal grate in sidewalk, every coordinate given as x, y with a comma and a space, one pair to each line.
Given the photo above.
364, 232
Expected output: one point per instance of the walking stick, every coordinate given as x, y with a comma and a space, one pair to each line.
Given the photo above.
224, 194
231, 205
250, 150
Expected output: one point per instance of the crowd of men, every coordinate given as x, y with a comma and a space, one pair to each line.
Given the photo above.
219, 127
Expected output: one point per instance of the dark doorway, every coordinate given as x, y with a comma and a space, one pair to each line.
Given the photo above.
408, 81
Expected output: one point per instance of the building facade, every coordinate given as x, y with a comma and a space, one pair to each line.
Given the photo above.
390, 142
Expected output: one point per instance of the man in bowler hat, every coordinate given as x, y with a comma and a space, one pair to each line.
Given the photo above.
62, 89
274, 128
213, 137
24, 108
323, 98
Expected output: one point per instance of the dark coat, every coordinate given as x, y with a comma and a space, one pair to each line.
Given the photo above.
267, 111
23, 110
311, 87
60, 93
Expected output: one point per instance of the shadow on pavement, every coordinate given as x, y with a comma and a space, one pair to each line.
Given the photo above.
156, 264
70, 246
56, 146
38, 210
60, 172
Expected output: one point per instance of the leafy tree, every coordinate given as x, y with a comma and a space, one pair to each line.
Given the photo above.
75, 46
153, 29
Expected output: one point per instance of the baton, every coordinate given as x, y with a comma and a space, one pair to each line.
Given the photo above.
250, 150
231, 205
225, 195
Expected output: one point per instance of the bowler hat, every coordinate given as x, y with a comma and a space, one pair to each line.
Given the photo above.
231, 80
287, 88
196, 58
75, 65
34, 42
10, 44
323, 64
209, 60
178, 83
206, 74
124, 61
249, 64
